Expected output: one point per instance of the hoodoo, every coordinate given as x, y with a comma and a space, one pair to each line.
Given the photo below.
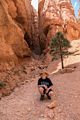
58, 15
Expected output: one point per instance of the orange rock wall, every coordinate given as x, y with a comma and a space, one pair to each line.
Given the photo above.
16, 18
58, 15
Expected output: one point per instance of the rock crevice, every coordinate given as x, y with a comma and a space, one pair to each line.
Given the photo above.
16, 19
23, 30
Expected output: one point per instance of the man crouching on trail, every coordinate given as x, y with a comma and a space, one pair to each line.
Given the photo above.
45, 86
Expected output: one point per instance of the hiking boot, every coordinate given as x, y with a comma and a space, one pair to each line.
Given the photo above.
49, 97
42, 97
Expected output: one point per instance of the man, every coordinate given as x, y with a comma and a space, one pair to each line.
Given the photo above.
45, 86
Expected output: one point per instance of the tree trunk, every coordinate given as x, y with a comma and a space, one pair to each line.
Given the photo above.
62, 63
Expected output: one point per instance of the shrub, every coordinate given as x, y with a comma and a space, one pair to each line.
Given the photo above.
2, 84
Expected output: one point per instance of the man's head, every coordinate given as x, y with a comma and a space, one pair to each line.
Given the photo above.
44, 75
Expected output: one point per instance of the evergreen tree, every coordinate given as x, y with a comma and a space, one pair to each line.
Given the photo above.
59, 47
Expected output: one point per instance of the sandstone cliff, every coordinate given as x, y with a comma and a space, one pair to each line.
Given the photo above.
16, 20
58, 15
19, 23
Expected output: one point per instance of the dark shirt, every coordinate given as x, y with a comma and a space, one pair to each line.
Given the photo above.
46, 82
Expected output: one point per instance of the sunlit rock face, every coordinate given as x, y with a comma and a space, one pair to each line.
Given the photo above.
58, 15
22, 29
79, 15
16, 20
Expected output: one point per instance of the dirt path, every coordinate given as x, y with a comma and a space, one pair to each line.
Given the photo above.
68, 92
24, 104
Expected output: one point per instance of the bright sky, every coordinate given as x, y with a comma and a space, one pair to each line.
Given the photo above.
35, 4
76, 5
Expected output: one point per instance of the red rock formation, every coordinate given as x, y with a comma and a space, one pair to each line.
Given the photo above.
58, 15
79, 13
35, 34
16, 18
19, 20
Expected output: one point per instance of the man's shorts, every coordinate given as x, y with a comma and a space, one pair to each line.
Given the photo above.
45, 90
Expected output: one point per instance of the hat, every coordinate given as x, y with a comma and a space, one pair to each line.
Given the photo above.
46, 73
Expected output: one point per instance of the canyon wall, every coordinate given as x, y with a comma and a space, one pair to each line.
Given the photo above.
16, 30
23, 30
58, 15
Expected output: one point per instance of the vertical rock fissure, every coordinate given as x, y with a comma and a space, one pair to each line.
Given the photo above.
37, 35
37, 48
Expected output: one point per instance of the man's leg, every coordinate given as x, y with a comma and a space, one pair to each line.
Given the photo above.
42, 92
49, 94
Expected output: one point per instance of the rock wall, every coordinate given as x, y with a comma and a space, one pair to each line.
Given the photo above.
19, 23
35, 34
16, 18
58, 15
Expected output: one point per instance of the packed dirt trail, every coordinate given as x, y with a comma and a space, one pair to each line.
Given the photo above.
24, 103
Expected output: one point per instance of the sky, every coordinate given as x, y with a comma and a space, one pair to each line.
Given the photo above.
35, 4
75, 3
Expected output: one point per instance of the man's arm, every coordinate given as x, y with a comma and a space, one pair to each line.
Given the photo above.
51, 87
51, 84
42, 86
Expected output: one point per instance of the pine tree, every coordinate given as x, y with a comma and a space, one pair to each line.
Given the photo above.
59, 47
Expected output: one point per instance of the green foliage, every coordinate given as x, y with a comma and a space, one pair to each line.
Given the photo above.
59, 46
2, 84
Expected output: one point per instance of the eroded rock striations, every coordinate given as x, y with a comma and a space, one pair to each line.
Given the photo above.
23, 30
58, 15
16, 24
